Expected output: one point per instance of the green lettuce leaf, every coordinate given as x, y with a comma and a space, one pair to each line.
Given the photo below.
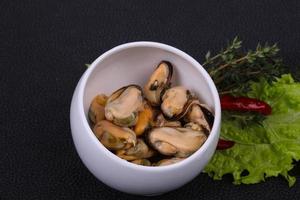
267, 149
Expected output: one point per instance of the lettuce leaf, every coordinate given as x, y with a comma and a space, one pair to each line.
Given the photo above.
267, 149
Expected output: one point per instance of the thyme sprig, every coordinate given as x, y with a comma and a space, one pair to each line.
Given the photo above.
232, 69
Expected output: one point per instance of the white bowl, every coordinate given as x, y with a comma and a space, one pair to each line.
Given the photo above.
132, 63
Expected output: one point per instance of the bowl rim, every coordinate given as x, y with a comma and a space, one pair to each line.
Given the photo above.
199, 68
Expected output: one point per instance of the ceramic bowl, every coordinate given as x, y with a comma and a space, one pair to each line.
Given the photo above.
133, 63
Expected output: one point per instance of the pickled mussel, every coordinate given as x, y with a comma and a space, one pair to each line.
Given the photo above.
96, 111
157, 126
143, 162
145, 120
123, 106
175, 101
139, 151
200, 114
158, 82
161, 121
114, 137
169, 161
179, 142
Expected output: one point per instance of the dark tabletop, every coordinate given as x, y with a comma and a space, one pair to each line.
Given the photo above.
43, 48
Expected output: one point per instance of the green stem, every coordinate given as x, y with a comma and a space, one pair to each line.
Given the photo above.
212, 59
215, 57
227, 65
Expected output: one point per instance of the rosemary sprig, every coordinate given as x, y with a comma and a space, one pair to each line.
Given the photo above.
232, 69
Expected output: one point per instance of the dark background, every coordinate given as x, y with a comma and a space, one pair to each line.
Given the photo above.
43, 49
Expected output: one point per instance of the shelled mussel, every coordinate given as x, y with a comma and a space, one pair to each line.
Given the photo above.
155, 126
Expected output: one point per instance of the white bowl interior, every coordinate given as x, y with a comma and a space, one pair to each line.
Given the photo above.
135, 64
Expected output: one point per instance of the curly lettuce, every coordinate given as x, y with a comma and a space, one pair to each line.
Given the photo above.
267, 149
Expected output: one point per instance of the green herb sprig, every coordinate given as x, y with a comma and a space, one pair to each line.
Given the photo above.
232, 69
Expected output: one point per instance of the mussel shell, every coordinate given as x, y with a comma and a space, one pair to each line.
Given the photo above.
158, 82
208, 115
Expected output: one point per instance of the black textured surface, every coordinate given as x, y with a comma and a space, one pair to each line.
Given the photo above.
43, 48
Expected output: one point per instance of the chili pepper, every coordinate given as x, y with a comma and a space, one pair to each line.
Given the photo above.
224, 144
245, 104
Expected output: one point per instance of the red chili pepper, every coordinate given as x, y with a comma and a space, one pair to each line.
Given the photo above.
224, 144
245, 104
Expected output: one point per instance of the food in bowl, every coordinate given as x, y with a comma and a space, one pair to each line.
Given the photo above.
156, 125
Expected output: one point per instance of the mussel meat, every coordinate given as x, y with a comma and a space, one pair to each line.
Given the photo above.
145, 120
200, 114
195, 126
175, 101
139, 151
161, 121
143, 162
96, 110
179, 142
114, 137
158, 82
169, 161
123, 105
